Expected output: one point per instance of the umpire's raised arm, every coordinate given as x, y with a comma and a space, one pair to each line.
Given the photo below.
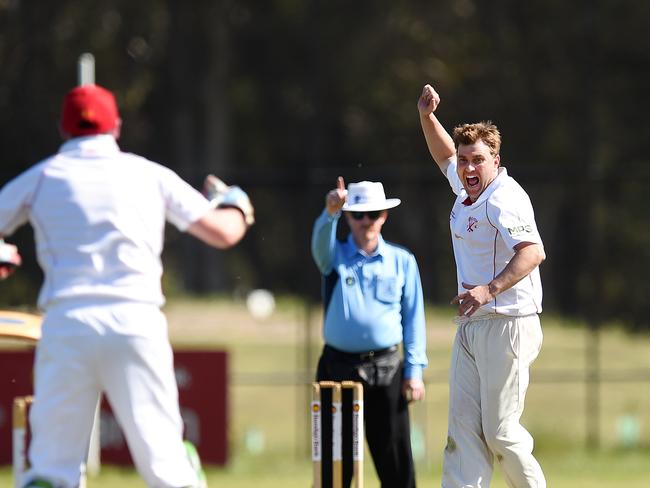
323, 240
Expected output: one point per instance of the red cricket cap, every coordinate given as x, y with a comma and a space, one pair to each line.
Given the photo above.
87, 110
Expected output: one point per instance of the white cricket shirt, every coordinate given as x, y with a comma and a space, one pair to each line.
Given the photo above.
98, 216
484, 234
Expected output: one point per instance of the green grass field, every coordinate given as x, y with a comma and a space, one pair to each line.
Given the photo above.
575, 469
272, 362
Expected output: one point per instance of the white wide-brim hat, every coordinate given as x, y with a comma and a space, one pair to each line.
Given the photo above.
368, 196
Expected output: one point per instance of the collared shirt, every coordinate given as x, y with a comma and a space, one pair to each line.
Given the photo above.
98, 216
371, 301
484, 234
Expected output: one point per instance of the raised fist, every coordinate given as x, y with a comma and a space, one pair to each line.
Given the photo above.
428, 101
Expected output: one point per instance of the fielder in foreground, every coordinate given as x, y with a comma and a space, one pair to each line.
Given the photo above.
498, 250
98, 216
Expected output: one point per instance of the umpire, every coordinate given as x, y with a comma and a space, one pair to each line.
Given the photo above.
372, 296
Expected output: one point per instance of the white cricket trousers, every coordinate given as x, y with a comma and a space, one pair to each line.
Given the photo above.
121, 349
488, 379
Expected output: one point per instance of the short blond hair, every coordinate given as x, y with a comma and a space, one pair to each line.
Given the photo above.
487, 132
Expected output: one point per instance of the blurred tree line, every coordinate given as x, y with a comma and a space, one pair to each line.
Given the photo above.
282, 96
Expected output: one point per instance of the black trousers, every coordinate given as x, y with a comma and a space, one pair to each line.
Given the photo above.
387, 425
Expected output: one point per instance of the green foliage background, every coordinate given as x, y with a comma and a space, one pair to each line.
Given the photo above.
282, 96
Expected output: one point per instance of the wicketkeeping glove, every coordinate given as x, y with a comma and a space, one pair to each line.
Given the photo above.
222, 195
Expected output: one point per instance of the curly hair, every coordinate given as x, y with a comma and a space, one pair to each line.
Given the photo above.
481, 131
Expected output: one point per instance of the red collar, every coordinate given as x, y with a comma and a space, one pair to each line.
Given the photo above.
467, 202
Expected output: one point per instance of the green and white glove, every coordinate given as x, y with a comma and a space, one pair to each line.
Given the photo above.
222, 195
195, 461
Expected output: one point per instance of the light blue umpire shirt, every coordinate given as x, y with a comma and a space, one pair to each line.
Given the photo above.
371, 301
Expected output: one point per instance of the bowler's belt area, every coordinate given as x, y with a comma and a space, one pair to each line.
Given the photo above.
359, 356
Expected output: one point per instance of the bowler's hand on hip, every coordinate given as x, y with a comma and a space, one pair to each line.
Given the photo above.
336, 198
473, 299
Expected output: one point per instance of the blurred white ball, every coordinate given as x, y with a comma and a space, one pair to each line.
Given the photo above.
260, 303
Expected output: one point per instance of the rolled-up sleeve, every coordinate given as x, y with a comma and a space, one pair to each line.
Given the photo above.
184, 204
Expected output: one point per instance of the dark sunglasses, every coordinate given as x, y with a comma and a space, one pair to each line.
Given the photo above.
373, 215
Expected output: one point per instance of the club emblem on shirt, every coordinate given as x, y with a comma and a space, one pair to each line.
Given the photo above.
471, 224
349, 281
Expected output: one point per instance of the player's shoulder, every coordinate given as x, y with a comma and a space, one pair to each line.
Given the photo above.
141, 163
509, 198
508, 191
34, 171
399, 250
137, 159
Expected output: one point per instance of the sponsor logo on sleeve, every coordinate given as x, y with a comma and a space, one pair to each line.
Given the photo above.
520, 229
